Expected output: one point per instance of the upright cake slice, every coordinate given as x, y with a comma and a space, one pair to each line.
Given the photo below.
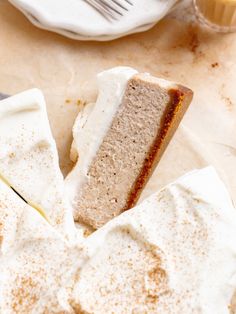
121, 142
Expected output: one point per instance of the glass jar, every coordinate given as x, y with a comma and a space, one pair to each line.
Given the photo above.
217, 14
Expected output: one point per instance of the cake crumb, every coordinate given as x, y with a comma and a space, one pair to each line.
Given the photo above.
194, 41
12, 155
215, 65
87, 233
228, 102
81, 102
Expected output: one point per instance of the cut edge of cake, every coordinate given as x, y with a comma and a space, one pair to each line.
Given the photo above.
181, 98
92, 203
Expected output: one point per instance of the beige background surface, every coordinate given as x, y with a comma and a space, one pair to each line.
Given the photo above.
176, 49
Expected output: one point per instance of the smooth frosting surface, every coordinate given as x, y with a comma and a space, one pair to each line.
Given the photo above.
174, 253
29, 158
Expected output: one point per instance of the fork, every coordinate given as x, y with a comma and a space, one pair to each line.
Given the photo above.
110, 9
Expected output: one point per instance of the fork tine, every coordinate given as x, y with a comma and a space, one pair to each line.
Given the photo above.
129, 2
119, 4
111, 7
101, 9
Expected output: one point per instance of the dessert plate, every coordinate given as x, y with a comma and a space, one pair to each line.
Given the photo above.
72, 18
3, 96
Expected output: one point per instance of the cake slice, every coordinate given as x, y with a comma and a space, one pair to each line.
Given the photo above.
29, 159
121, 141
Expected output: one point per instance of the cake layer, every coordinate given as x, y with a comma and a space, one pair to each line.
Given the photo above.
140, 127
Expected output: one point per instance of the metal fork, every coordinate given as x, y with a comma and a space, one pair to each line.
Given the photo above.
110, 9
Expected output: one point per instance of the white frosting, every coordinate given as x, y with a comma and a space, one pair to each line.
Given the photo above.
29, 158
174, 253
78, 126
91, 126
37, 266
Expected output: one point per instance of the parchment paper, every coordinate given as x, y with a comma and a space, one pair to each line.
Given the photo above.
176, 49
